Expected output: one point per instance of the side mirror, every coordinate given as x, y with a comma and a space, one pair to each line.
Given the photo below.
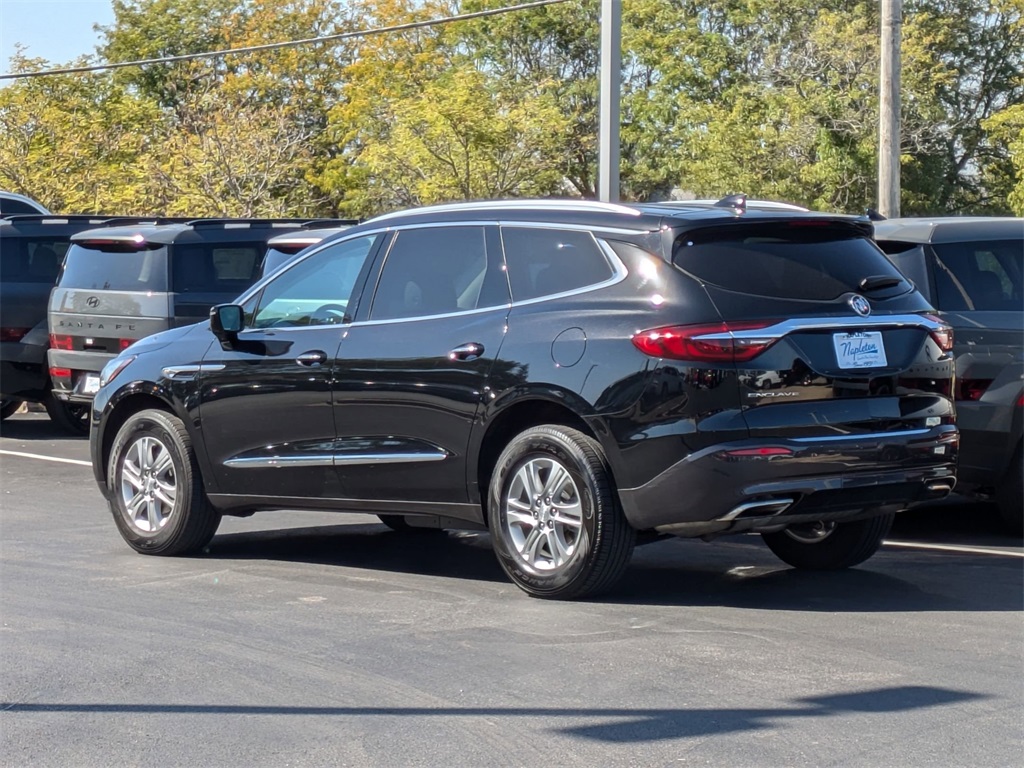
226, 322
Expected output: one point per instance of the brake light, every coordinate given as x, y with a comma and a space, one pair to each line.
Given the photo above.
61, 341
704, 343
13, 334
1020, 400
943, 336
123, 344
60, 373
972, 389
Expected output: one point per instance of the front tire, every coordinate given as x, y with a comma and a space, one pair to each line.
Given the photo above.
155, 487
554, 514
829, 546
72, 418
8, 407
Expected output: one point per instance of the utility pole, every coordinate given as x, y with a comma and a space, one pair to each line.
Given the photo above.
609, 97
889, 111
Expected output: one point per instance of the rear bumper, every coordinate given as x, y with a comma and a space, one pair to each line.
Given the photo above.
80, 364
714, 490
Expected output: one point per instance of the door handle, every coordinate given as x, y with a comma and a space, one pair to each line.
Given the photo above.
312, 359
469, 351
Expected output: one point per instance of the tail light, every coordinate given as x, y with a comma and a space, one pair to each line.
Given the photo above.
943, 336
123, 344
60, 373
704, 343
61, 341
13, 334
972, 389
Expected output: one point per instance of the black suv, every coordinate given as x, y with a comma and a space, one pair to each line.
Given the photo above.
972, 270
567, 374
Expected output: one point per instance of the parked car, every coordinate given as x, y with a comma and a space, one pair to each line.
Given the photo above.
971, 269
283, 248
121, 284
564, 373
13, 204
32, 248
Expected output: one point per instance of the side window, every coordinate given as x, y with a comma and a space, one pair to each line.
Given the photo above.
436, 271
979, 276
543, 262
317, 290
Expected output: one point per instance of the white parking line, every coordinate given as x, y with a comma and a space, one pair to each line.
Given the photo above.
952, 548
79, 462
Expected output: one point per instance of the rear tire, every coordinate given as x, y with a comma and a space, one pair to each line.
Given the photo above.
554, 514
72, 418
829, 547
8, 407
1010, 495
155, 488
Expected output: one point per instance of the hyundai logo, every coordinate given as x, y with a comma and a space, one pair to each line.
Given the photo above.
92, 301
860, 305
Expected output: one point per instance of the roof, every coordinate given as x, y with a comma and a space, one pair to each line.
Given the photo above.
164, 233
949, 229
21, 199
634, 217
304, 237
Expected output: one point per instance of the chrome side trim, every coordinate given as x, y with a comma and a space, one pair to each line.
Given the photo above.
771, 507
253, 462
869, 436
187, 372
341, 459
327, 460
791, 325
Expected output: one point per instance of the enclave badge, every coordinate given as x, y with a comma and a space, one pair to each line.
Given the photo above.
860, 305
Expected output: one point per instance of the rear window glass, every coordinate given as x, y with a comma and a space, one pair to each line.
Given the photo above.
982, 276
227, 268
31, 260
97, 270
785, 260
274, 259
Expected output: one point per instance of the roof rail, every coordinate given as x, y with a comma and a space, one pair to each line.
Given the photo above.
244, 223
545, 204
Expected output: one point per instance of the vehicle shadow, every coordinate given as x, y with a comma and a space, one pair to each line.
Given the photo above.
604, 724
33, 426
740, 573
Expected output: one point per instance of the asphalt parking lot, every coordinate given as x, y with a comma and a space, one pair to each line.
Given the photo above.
312, 639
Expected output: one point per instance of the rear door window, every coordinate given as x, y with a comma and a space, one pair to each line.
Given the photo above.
31, 260
227, 268
790, 260
115, 270
979, 276
545, 262
437, 271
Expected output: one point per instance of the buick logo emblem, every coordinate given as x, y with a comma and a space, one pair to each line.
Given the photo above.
92, 301
860, 305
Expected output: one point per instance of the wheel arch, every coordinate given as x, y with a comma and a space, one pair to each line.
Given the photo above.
129, 402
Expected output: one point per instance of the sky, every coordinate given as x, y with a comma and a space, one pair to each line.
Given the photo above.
57, 30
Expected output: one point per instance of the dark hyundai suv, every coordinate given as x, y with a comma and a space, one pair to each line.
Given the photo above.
567, 374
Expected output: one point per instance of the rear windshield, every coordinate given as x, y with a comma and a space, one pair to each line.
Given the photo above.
791, 260
227, 268
31, 260
981, 276
93, 269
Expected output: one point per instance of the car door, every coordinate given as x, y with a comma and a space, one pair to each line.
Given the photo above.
265, 402
411, 375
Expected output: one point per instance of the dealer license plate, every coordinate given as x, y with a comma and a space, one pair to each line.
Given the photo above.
91, 385
860, 350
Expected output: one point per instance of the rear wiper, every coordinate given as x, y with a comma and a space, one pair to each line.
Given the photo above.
876, 282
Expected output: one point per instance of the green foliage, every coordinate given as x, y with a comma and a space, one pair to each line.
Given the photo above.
775, 98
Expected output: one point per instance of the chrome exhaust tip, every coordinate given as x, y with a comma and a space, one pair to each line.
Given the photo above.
765, 508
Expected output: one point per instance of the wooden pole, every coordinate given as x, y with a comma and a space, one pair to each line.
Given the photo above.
889, 111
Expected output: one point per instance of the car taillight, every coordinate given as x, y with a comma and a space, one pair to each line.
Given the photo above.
704, 343
972, 389
943, 336
123, 344
13, 334
60, 341
60, 373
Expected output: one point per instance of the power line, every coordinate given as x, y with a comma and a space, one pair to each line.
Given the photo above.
286, 44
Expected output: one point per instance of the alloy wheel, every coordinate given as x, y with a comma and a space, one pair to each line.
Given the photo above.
148, 486
544, 515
